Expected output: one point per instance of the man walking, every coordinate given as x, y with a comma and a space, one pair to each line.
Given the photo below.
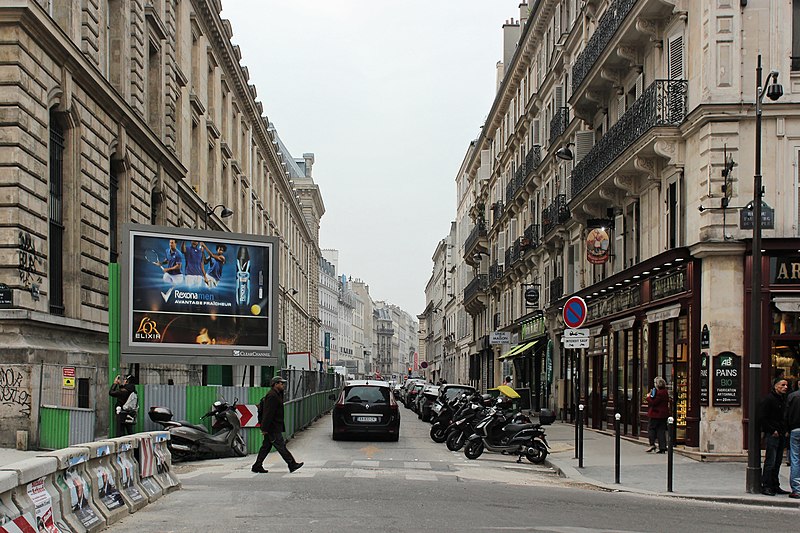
771, 417
272, 427
793, 427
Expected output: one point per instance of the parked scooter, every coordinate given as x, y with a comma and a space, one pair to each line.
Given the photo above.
463, 422
193, 441
499, 433
444, 412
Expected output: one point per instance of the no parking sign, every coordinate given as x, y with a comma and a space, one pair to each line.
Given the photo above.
574, 312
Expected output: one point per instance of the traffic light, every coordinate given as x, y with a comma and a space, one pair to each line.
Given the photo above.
409, 371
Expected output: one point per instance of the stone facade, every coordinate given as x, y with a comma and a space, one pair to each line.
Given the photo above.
158, 122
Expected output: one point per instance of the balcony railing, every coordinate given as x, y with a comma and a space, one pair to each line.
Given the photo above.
559, 123
533, 158
510, 255
497, 211
556, 289
554, 214
662, 104
495, 273
477, 286
531, 238
606, 28
516, 251
516, 183
477, 233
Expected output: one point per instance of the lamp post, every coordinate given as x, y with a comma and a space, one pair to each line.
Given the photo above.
225, 213
773, 91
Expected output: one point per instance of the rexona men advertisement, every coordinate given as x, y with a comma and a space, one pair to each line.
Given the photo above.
198, 297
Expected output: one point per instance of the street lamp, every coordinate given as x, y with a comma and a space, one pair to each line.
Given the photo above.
773, 91
225, 213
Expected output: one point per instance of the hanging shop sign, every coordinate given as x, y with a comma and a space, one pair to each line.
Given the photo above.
705, 338
532, 328
704, 378
597, 246
532, 296
727, 379
549, 362
500, 337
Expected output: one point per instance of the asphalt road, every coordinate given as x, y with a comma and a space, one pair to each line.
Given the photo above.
416, 484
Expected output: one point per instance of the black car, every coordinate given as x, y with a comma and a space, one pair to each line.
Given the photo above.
366, 407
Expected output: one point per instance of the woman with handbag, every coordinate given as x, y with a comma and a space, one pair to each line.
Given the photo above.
657, 413
126, 405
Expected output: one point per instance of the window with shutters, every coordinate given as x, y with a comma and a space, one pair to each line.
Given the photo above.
584, 142
674, 222
55, 255
618, 251
675, 61
632, 234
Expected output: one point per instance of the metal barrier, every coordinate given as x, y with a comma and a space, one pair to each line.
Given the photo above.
83, 488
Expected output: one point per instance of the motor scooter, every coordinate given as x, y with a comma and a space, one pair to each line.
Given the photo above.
193, 441
444, 412
499, 433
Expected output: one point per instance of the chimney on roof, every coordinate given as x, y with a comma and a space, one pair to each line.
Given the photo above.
511, 35
523, 13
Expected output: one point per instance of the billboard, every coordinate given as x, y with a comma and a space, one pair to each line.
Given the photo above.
198, 297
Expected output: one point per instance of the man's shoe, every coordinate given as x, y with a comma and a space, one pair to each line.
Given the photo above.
295, 466
259, 470
768, 491
781, 491
794, 495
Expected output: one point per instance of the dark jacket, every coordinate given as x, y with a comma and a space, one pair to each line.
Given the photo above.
658, 406
272, 418
793, 411
771, 413
121, 393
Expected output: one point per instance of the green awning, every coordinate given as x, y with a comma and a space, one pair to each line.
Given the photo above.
519, 349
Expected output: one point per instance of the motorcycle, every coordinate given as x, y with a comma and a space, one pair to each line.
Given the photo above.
500, 433
444, 411
193, 441
462, 425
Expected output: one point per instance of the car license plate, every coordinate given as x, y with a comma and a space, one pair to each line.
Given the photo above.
366, 419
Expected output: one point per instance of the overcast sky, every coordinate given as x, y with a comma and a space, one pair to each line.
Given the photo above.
388, 96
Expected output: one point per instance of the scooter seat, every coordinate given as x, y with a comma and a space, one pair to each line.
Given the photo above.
198, 427
514, 428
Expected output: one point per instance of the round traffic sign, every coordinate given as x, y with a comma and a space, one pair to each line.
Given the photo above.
574, 312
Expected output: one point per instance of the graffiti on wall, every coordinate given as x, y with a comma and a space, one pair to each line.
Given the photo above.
14, 392
29, 264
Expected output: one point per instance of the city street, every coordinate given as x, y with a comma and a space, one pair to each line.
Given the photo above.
416, 484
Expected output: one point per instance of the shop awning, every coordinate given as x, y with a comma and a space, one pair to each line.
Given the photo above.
519, 349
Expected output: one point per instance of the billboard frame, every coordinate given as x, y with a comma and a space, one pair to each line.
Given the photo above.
207, 354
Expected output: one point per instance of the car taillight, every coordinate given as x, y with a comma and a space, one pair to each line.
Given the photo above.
340, 402
392, 403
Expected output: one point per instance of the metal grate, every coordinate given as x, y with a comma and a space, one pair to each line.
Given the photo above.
55, 254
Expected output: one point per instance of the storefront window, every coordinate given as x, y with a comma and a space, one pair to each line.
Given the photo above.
786, 345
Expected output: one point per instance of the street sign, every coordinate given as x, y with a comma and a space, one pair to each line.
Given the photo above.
68, 373
500, 337
248, 415
582, 333
574, 312
571, 344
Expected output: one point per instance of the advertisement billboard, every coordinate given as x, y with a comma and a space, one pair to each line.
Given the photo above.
198, 297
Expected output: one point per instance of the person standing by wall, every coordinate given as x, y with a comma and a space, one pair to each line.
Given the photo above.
771, 414
657, 414
121, 391
793, 427
272, 427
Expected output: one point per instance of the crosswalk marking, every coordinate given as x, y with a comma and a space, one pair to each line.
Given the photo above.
367, 474
422, 476
417, 465
367, 464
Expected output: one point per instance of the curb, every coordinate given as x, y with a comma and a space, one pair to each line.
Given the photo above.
570, 472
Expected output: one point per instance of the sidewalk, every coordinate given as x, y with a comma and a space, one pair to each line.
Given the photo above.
646, 473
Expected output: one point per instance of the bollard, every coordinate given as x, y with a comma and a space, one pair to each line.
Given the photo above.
577, 442
617, 418
670, 441
580, 436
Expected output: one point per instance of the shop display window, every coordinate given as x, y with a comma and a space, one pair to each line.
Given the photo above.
785, 355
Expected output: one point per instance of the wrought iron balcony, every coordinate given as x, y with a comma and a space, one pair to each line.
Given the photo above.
495, 273
556, 289
603, 34
662, 104
559, 123
533, 158
531, 239
477, 233
479, 285
510, 255
554, 214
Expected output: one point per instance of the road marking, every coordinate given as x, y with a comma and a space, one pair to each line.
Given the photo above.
368, 464
367, 474
240, 474
417, 465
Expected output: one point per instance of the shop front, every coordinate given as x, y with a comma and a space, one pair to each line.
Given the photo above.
641, 325
530, 362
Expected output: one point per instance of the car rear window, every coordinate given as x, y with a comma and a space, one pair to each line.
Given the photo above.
365, 394
453, 392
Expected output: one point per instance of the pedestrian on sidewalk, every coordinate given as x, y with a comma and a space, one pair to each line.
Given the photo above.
793, 427
272, 427
126, 405
657, 414
771, 417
